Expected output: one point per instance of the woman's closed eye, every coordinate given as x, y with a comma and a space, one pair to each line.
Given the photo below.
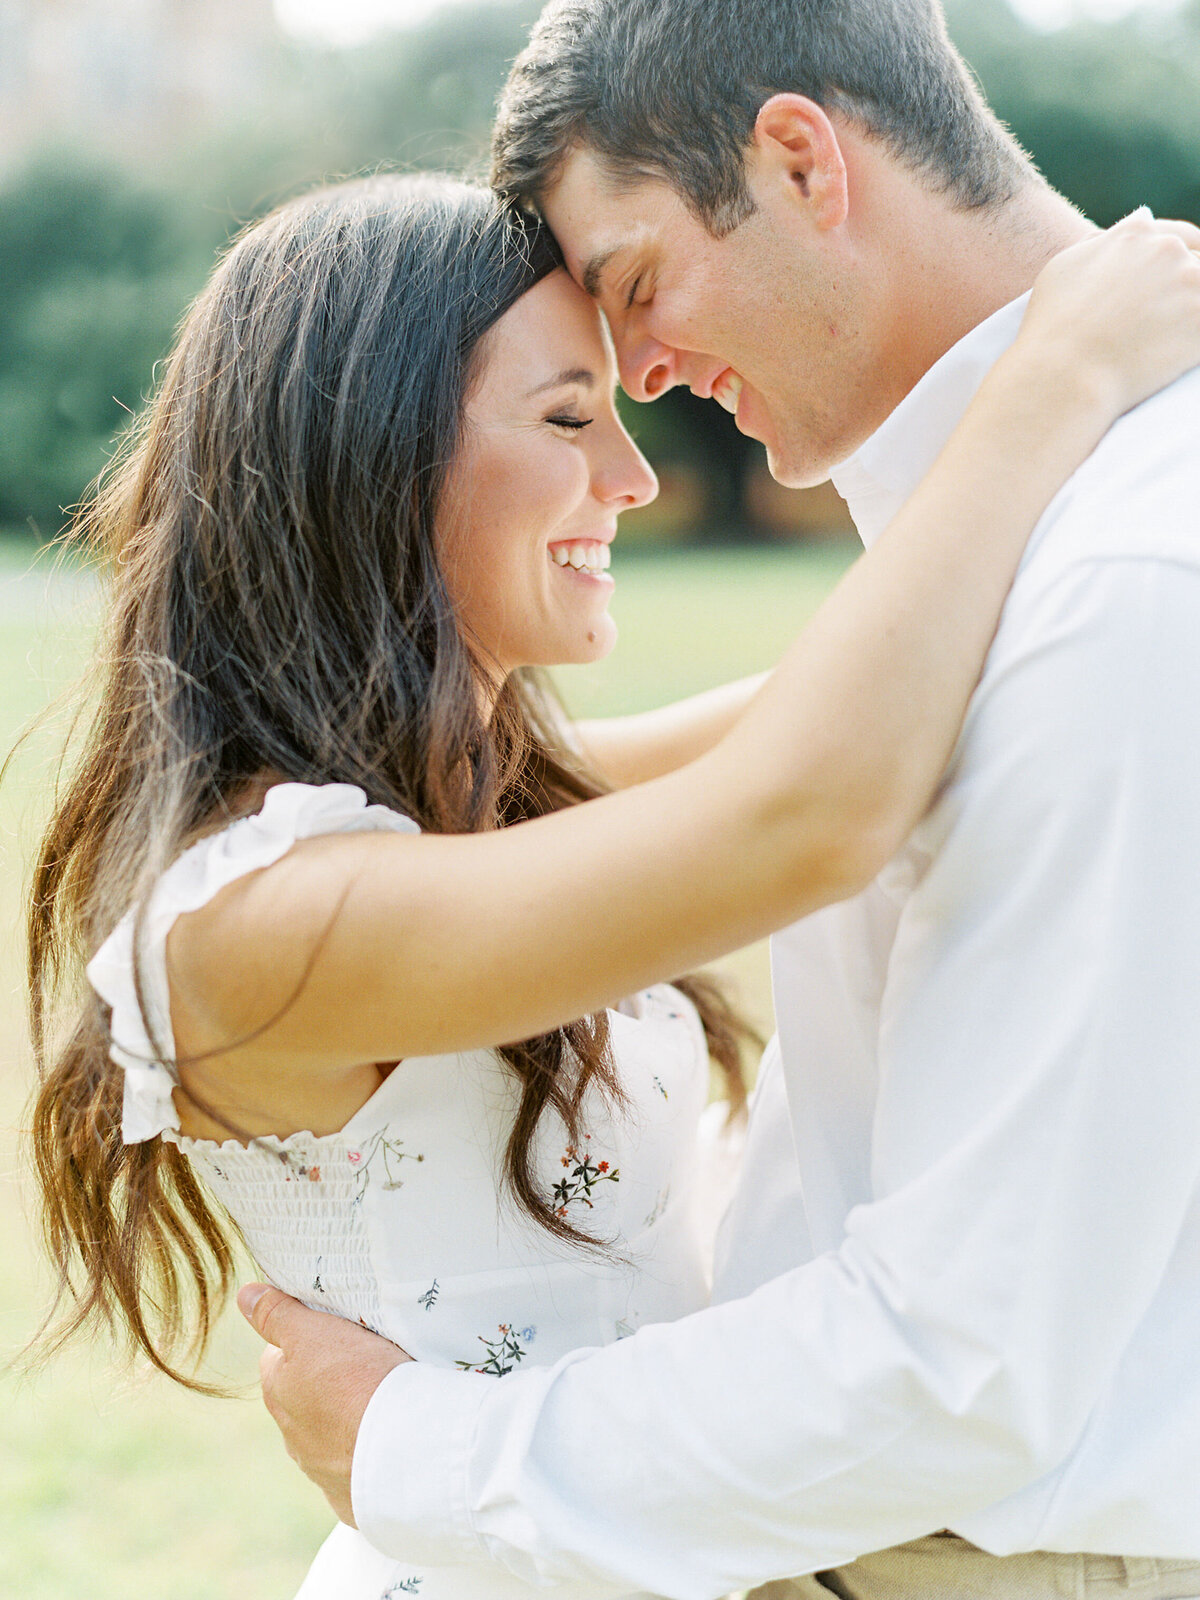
573, 423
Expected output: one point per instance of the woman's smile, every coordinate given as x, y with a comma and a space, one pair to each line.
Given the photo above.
586, 557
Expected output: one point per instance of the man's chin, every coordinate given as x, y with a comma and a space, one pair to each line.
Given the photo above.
793, 471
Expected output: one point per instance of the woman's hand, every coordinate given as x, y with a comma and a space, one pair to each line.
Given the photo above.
1117, 315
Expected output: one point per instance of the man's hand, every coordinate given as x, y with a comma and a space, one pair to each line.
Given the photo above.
318, 1373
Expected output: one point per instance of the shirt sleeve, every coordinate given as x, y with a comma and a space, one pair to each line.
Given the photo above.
1036, 1149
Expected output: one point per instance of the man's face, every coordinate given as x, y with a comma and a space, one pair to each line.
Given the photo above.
773, 320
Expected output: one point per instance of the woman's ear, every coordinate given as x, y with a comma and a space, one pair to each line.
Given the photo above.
796, 142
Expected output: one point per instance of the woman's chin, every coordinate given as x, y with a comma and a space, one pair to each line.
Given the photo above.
600, 641
592, 642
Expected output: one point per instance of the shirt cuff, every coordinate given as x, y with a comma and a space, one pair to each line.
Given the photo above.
408, 1481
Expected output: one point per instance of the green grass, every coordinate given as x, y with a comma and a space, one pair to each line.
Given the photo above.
114, 1485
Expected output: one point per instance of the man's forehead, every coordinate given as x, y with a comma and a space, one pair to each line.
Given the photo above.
595, 218
591, 245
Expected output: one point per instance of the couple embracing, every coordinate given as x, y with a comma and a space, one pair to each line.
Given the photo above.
381, 947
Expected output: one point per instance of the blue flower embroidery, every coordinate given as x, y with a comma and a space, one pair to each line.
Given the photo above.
429, 1298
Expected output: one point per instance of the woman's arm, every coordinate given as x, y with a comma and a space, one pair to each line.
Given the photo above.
368, 948
636, 748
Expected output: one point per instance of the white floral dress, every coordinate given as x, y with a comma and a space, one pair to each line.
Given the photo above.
401, 1221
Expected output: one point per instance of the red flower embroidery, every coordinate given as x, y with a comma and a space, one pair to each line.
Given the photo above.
582, 1176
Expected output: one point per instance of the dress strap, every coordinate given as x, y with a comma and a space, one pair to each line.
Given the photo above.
142, 1043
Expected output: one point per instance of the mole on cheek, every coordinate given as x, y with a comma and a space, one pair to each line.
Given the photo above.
591, 638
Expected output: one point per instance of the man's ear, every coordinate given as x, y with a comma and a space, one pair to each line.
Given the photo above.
796, 143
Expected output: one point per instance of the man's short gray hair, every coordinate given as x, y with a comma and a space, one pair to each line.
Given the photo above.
671, 89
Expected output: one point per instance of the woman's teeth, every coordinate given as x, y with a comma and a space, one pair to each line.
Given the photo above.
586, 555
727, 391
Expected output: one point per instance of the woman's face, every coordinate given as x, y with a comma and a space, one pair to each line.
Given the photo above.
531, 502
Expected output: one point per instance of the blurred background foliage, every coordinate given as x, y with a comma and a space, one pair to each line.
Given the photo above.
102, 245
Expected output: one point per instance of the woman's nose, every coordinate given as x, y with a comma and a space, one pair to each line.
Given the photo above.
627, 478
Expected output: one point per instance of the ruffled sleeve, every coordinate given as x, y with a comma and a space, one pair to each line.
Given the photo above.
290, 811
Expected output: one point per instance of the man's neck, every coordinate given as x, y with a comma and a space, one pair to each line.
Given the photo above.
949, 270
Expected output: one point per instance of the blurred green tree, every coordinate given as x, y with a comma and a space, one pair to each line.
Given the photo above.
96, 269
1109, 111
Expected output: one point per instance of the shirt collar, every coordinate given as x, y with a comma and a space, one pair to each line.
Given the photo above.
877, 480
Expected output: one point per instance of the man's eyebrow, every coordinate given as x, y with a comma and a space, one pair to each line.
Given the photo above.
580, 375
590, 278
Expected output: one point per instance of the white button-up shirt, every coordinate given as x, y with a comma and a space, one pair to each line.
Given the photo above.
965, 1254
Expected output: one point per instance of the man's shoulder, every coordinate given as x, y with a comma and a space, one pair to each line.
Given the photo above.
1135, 501
1136, 496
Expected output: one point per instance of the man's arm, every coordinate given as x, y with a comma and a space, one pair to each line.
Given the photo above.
1037, 1146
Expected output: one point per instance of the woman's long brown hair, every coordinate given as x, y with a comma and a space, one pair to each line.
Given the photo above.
278, 608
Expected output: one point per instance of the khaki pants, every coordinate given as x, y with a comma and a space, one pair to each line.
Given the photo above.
947, 1568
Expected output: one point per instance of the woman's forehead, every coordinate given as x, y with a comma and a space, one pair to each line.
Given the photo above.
553, 335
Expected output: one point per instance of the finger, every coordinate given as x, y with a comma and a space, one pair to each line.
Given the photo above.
1186, 231
262, 1308
267, 1364
1144, 221
1171, 227
1141, 218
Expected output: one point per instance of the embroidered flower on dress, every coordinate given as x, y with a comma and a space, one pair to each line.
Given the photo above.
384, 1156
583, 1174
503, 1353
296, 1169
429, 1298
660, 1205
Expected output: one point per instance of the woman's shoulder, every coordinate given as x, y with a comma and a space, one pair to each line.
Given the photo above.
128, 971
289, 812
292, 811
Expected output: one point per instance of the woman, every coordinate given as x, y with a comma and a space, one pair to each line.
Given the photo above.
323, 846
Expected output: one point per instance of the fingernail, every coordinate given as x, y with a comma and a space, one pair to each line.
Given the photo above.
248, 1297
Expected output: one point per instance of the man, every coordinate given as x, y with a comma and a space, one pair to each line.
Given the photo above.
967, 1243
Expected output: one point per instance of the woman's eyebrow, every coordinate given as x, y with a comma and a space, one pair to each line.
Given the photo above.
560, 380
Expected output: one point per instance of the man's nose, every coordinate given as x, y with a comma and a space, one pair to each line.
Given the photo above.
648, 369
